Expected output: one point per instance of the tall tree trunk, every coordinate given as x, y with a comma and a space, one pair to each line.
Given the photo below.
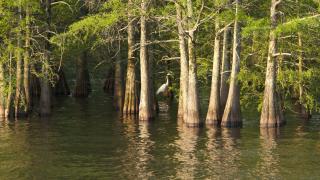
225, 69
153, 98
213, 115
2, 92
145, 107
82, 87
118, 84
271, 115
232, 112
19, 97
61, 87
45, 96
26, 62
131, 101
193, 117
184, 69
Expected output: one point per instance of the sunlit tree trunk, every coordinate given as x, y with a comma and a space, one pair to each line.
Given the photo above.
232, 112
82, 87
2, 92
271, 115
26, 62
131, 101
145, 107
225, 69
213, 115
118, 84
193, 118
45, 96
19, 95
184, 69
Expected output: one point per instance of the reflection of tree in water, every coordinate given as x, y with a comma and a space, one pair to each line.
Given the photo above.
230, 153
268, 164
130, 155
213, 161
144, 145
186, 154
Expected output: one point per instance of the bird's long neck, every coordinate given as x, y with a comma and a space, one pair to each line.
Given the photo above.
167, 83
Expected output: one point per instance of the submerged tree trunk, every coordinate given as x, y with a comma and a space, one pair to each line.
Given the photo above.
225, 69
213, 115
271, 115
61, 88
232, 112
145, 107
26, 62
184, 69
45, 97
131, 101
193, 118
82, 87
118, 84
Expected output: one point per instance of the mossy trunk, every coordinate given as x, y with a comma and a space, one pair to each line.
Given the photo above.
271, 115
61, 87
118, 85
213, 115
225, 69
131, 99
145, 107
83, 86
232, 112
184, 69
193, 110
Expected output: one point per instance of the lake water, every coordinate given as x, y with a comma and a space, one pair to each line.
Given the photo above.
86, 139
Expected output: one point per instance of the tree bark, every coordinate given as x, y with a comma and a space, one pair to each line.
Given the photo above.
271, 115
2, 92
61, 88
118, 85
131, 101
45, 96
225, 69
26, 62
82, 87
232, 112
213, 115
19, 94
193, 118
184, 69
145, 107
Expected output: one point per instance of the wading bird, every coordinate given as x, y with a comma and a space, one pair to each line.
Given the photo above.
164, 87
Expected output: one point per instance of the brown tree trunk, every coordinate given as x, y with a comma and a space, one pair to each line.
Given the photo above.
82, 87
118, 84
108, 86
153, 98
271, 115
232, 112
213, 115
2, 92
19, 94
225, 69
45, 96
193, 117
131, 101
26, 62
184, 69
61, 88
145, 106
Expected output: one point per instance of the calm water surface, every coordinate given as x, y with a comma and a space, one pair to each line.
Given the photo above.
85, 139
